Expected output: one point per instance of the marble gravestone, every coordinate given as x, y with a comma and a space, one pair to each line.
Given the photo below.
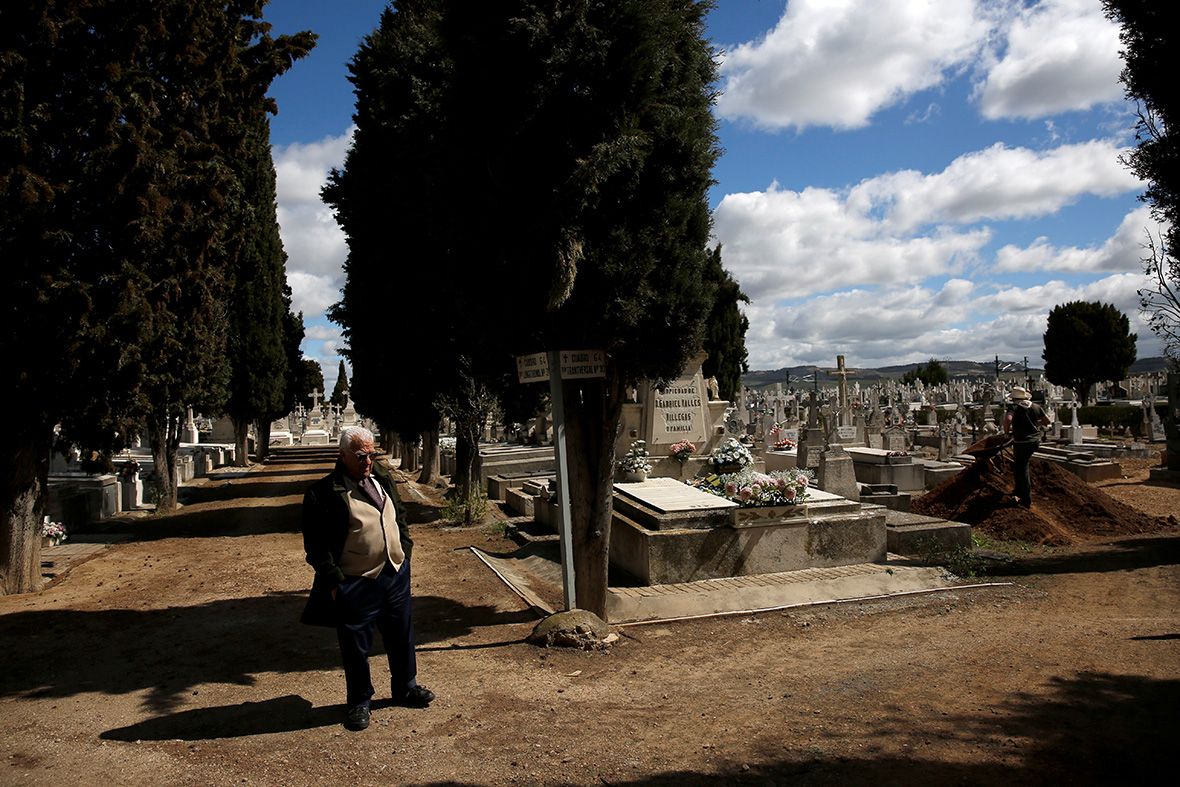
682, 410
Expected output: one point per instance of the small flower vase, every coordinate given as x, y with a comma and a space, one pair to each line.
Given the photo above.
635, 476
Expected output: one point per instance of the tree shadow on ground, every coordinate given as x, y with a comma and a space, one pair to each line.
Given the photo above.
1123, 555
167, 652
209, 522
1095, 729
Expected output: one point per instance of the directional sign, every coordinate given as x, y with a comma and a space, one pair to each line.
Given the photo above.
533, 368
576, 364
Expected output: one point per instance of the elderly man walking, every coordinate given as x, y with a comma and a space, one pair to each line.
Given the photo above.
355, 537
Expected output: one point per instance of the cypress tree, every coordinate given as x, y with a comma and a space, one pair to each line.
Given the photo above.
725, 331
582, 137
259, 306
116, 120
340, 389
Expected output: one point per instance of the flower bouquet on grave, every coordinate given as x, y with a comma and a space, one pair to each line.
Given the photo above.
683, 450
54, 532
750, 489
129, 471
783, 444
731, 457
636, 462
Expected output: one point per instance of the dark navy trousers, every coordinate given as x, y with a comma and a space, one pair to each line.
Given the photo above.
383, 603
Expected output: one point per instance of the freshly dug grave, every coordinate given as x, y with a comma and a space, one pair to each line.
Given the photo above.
1065, 510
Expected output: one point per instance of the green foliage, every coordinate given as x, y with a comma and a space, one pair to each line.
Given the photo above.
960, 561
1087, 342
296, 378
311, 382
556, 154
725, 331
1148, 38
930, 373
119, 123
466, 510
1147, 35
592, 132
260, 322
340, 390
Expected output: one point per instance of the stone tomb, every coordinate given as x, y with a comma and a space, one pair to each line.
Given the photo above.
684, 410
666, 532
878, 466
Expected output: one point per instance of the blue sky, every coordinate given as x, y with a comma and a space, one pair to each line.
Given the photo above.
902, 179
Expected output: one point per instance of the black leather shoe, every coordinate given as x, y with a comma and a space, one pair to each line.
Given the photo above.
358, 718
417, 697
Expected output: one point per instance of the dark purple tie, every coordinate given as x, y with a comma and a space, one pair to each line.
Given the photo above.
370, 491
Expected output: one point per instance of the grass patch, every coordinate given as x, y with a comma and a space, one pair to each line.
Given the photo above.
466, 511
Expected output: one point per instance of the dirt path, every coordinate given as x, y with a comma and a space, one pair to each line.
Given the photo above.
176, 658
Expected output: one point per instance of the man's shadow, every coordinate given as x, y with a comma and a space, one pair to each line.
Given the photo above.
281, 714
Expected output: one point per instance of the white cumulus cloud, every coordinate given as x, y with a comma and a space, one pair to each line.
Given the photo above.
1061, 55
312, 294
1123, 251
315, 244
997, 183
837, 62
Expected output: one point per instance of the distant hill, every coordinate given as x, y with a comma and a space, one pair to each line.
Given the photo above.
802, 376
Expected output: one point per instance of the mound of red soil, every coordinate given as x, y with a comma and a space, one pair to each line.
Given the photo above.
1065, 509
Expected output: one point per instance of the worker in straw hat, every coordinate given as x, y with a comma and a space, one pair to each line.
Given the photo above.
1023, 422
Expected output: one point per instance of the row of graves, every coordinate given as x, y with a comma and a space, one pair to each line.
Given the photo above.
83, 490
784, 480
80, 491
702, 497
319, 425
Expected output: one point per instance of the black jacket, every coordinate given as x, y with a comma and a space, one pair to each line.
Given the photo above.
325, 529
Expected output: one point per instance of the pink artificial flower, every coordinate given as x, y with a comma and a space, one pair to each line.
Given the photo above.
781, 483
789, 493
746, 493
730, 488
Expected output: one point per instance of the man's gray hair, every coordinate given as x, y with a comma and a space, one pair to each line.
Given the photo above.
351, 435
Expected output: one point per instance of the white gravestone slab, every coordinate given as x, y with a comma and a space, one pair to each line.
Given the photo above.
679, 412
668, 494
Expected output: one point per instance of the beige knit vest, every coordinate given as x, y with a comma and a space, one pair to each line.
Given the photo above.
372, 537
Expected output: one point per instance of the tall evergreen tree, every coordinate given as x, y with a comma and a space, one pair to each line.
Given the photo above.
200, 235
116, 118
294, 382
1149, 38
1087, 342
725, 331
259, 306
340, 389
312, 383
583, 138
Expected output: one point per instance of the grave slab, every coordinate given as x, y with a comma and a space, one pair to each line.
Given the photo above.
534, 572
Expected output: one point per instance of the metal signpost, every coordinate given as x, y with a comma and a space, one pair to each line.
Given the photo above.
555, 366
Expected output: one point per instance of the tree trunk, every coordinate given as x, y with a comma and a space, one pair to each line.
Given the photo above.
593, 408
409, 456
465, 452
241, 442
429, 472
164, 436
262, 444
24, 469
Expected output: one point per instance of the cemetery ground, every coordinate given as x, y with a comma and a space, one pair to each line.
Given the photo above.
175, 657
